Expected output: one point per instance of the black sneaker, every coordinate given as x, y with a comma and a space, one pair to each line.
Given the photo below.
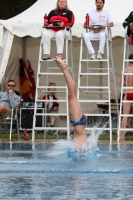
46, 58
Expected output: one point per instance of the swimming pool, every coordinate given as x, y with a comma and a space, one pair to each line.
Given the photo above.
52, 171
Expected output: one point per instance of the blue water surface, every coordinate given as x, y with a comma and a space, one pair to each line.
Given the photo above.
55, 171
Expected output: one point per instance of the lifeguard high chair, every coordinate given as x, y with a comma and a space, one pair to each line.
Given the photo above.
90, 91
48, 70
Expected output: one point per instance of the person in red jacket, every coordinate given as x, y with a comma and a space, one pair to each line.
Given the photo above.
56, 29
52, 106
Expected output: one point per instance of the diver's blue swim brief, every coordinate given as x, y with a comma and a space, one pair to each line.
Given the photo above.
80, 122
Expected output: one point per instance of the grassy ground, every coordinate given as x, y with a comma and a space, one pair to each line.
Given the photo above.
40, 136
105, 136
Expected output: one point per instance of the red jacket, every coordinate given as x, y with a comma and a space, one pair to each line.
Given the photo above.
65, 16
55, 104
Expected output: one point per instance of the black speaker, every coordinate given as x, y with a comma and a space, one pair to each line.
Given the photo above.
26, 118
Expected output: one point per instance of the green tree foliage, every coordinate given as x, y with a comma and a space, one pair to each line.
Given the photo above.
11, 8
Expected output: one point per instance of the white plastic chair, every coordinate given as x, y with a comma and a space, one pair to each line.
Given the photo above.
14, 117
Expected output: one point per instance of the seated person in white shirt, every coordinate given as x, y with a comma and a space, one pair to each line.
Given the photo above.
52, 106
99, 16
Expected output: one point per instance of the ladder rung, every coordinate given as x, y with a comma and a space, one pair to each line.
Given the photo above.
48, 100
58, 68
89, 60
93, 74
49, 73
98, 68
49, 60
57, 91
49, 68
93, 87
49, 114
107, 101
93, 128
97, 115
30, 129
61, 87
86, 91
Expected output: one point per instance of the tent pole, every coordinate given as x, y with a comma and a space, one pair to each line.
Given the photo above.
5, 53
24, 47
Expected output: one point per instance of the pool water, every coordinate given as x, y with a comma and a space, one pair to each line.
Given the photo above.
54, 171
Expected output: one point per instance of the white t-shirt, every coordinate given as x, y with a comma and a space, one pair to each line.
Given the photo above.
51, 102
99, 18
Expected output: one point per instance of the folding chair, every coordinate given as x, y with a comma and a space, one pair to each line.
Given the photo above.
14, 117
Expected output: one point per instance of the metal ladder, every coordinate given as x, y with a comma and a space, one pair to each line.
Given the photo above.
126, 46
59, 89
98, 71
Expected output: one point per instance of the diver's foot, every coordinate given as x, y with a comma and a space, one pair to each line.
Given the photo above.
60, 63
60, 56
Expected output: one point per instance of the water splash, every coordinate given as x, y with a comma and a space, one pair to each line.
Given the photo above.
94, 135
90, 147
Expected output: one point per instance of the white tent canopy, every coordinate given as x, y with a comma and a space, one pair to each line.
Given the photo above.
20, 35
30, 21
